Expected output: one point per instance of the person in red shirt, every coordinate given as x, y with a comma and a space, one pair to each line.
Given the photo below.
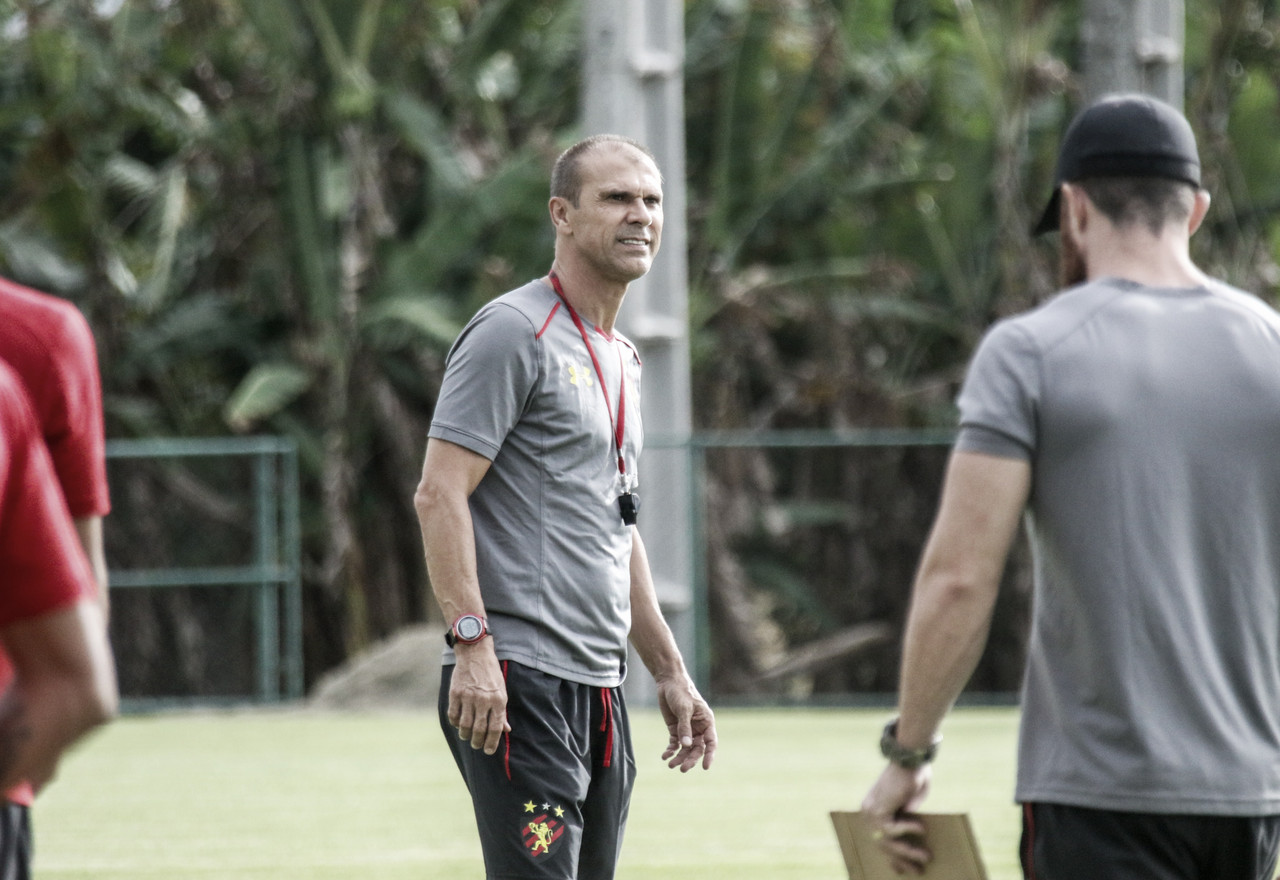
48, 343
51, 349
51, 624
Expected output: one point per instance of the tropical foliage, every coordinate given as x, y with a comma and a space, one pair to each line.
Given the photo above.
278, 214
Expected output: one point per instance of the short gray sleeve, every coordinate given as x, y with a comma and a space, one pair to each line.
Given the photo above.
489, 374
1000, 398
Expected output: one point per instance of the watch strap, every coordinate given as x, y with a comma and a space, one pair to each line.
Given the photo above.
452, 637
899, 754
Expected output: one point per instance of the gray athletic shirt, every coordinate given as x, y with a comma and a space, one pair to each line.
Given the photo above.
1151, 418
552, 552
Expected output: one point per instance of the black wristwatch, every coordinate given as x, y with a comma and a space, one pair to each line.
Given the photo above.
466, 630
909, 759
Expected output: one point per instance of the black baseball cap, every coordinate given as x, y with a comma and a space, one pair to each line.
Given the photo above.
1124, 135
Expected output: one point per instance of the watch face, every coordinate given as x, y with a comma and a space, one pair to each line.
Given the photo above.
469, 628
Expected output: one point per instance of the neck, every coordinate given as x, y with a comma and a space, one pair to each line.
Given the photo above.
595, 300
1152, 260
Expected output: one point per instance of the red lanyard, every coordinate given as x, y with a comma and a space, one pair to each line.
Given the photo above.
619, 428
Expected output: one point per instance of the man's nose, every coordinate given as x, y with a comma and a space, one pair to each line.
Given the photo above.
641, 213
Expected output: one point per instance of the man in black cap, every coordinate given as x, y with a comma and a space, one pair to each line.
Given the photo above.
1133, 419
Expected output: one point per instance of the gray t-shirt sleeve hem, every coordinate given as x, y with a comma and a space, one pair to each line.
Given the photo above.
989, 441
467, 441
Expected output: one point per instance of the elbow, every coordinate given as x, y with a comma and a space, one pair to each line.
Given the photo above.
959, 590
98, 694
963, 590
104, 705
426, 499
64, 719
99, 691
94, 711
435, 498
89, 700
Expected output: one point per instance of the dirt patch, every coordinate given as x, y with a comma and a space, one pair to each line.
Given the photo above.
402, 672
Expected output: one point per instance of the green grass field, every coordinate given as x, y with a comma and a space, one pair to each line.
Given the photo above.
291, 795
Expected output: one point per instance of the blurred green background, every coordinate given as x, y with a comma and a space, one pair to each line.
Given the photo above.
277, 215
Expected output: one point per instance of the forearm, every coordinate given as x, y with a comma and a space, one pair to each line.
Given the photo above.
956, 587
650, 634
450, 551
89, 530
477, 689
951, 605
448, 542
655, 643
39, 720
64, 686
945, 637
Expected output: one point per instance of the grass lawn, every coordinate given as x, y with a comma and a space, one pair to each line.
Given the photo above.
292, 794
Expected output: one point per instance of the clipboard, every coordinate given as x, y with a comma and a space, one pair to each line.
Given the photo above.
950, 836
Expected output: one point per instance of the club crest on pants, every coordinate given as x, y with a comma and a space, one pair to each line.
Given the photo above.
541, 826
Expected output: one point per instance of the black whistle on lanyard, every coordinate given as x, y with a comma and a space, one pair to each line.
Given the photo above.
629, 504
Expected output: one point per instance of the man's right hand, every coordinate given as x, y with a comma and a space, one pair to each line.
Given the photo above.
891, 807
478, 696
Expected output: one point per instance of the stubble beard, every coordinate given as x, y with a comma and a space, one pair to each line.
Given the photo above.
626, 270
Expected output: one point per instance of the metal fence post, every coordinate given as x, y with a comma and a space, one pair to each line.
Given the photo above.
267, 557
1134, 45
274, 573
292, 561
633, 84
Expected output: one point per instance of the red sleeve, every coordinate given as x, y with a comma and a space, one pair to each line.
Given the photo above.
73, 428
42, 567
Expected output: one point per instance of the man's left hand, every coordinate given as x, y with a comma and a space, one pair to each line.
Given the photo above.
690, 724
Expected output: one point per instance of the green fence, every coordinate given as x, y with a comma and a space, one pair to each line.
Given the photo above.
257, 568
704, 449
268, 568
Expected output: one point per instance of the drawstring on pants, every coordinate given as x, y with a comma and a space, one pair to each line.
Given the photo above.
506, 736
606, 724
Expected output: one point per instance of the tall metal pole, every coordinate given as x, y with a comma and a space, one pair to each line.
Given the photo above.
633, 84
1134, 46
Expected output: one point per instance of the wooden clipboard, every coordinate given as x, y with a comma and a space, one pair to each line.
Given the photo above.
950, 836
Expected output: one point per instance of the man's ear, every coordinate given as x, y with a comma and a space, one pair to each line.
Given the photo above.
1075, 210
1198, 211
559, 207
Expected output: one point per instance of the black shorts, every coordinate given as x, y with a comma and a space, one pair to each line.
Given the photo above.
15, 842
1076, 843
552, 801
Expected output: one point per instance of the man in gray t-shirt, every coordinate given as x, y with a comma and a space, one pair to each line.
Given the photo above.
1134, 418
528, 505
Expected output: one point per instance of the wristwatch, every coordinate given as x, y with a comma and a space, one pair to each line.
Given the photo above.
906, 758
466, 630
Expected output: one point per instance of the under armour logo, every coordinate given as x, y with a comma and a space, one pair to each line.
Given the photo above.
576, 373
